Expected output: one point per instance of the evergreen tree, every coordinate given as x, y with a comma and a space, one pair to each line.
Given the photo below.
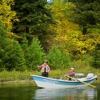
54, 57
11, 55
87, 14
34, 55
16, 58
58, 58
34, 18
24, 45
65, 59
3, 45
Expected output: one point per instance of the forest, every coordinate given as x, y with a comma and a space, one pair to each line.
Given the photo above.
66, 33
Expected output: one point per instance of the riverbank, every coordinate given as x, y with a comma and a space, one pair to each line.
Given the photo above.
25, 77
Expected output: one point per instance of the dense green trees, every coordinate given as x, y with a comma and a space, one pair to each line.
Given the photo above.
76, 34
11, 56
58, 58
14, 56
33, 53
28, 56
34, 19
87, 14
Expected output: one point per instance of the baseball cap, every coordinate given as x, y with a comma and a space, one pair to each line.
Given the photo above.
72, 68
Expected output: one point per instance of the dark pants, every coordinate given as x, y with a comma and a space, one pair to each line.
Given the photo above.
70, 79
45, 74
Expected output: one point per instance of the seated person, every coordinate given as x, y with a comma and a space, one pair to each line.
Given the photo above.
71, 73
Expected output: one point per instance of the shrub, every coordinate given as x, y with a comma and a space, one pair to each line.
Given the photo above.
58, 58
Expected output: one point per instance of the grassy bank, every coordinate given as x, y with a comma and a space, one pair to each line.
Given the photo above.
17, 76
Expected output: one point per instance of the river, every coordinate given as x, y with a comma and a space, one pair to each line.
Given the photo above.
31, 92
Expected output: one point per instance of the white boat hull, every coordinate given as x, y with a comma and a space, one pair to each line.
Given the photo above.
45, 82
49, 85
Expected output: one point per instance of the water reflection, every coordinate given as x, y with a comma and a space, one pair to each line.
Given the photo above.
30, 92
66, 94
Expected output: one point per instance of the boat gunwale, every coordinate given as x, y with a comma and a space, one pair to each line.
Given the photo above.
77, 80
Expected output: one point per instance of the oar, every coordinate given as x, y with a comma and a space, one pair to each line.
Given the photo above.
62, 77
82, 82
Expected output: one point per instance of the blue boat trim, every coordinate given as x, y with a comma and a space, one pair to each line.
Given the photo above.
60, 82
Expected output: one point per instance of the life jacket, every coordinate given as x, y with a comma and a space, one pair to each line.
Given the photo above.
44, 68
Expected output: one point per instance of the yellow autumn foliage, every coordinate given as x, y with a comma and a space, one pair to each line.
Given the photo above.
68, 33
7, 15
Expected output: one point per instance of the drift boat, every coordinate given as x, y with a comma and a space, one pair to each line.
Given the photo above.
46, 82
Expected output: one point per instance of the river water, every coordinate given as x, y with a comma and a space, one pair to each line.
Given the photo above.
30, 92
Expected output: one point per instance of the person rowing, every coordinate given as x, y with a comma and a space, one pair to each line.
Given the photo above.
71, 73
